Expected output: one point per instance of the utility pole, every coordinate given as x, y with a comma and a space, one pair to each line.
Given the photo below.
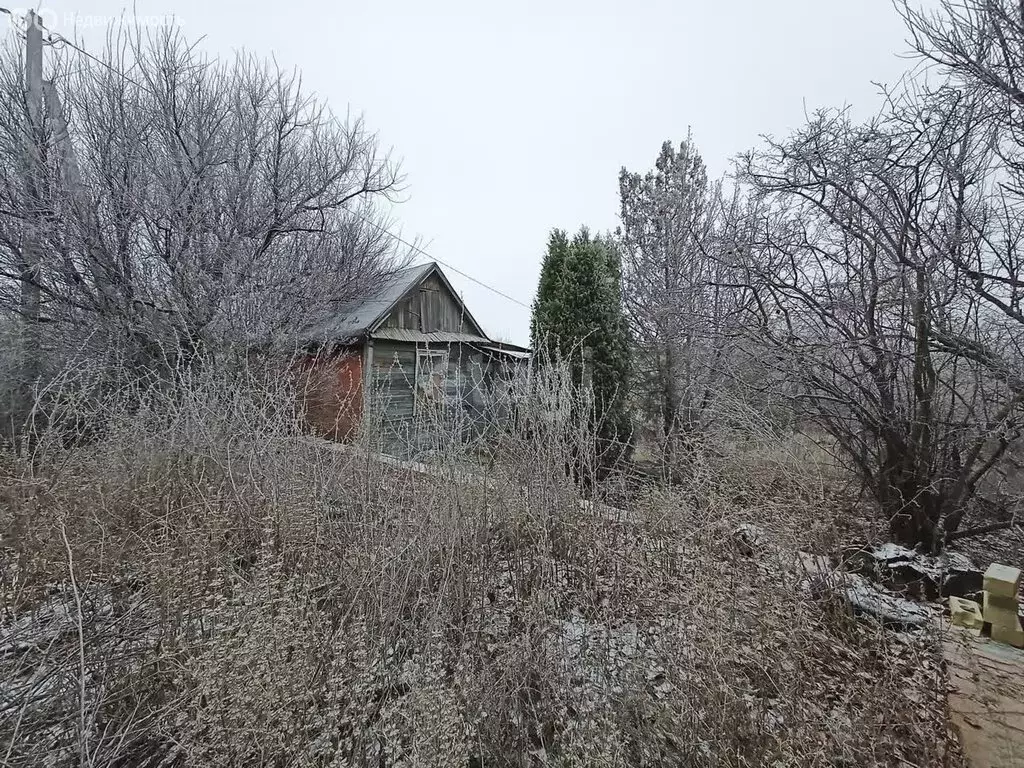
30, 257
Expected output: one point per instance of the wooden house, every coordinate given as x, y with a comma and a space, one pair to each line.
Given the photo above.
411, 363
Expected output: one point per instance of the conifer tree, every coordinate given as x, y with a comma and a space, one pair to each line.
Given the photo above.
578, 318
547, 305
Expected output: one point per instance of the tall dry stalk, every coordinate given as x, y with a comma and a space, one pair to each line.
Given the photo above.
202, 584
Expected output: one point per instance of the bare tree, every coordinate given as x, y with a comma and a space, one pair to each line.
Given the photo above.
979, 45
862, 298
185, 202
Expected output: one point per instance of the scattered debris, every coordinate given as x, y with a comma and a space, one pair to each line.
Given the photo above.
921, 575
1002, 611
750, 538
1002, 580
867, 598
961, 578
1008, 635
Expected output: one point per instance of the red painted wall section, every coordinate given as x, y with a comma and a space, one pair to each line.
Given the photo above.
331, 388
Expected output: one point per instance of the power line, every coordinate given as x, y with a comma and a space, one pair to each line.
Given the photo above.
456, 270
63, 40
55, 37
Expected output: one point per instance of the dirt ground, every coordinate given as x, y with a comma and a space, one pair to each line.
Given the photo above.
986, 699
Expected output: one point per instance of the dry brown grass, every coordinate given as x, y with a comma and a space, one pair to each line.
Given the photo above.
234, 594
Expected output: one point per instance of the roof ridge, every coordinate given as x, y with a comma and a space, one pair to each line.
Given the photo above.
366, 313
414, 266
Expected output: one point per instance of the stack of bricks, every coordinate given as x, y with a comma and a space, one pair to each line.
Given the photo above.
1001, 584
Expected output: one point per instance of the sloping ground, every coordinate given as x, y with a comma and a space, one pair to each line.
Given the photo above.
986, 699
308, 606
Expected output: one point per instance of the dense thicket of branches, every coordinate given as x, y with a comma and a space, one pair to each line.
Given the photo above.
862, 299
979, 46
179, 202
682, 308
874, 269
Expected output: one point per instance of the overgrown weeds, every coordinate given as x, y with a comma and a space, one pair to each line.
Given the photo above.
203, 585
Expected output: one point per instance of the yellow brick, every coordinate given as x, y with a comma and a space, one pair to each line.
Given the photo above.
1009, 635
1003, 580
1000, 604
1004, 620
965, 613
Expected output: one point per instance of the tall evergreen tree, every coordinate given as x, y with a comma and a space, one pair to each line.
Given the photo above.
611, 353
578, 318
547, 306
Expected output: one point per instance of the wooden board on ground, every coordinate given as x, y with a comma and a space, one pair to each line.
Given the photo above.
986, 699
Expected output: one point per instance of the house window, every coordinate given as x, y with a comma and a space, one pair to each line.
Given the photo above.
431, 371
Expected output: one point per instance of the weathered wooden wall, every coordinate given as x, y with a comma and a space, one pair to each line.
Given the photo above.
414, 401
429, 309
404, 414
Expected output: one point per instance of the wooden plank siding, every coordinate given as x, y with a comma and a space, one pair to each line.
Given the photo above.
417, 373
401, 411
430, 308
468, 401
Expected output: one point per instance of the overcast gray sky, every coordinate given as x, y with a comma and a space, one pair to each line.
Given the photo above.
514, 118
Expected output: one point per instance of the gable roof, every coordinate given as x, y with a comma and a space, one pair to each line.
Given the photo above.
360, 318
